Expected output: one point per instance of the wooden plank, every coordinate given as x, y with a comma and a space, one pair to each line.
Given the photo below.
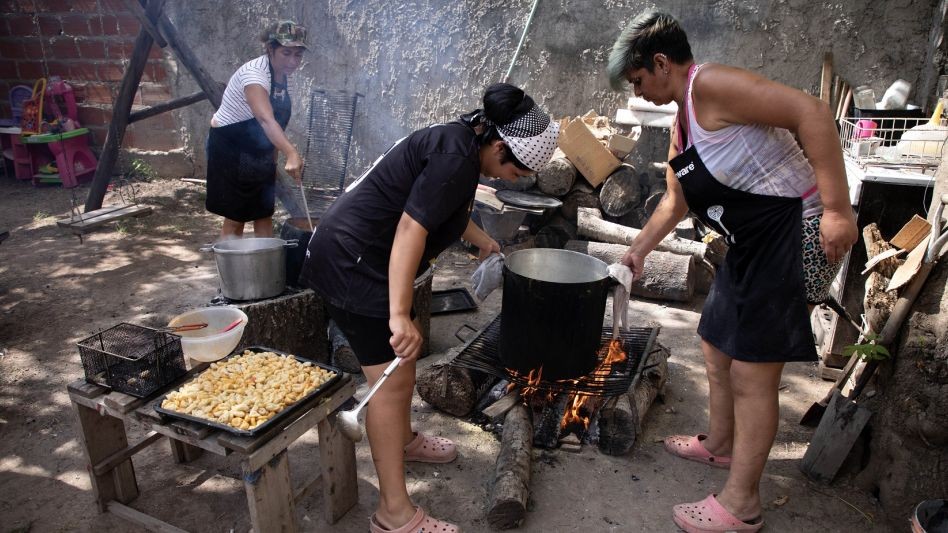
307, 488
102, 436
208, 443
184, 452
911, 266
334, 397
834, 437
281, 441
192, 429
122, 402
89, 224
91, 214
110, 462
911, 233
270, 496
338, 464
170, 105
84, 389
826, 78
121, 109
146, 23
501, 406
146, 521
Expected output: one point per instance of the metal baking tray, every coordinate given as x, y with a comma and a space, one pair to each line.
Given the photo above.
451, 300
269, 423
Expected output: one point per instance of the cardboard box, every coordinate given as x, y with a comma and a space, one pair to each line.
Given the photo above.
592, 159
622, 145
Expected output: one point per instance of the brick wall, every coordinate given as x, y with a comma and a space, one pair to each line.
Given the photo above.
88, 43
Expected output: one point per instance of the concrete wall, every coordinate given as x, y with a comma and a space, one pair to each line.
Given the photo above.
423, 61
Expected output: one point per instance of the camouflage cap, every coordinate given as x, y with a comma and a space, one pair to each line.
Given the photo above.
289, 33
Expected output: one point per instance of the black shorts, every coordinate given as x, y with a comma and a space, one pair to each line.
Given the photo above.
368, 336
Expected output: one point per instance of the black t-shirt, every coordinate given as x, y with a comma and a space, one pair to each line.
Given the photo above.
431, 175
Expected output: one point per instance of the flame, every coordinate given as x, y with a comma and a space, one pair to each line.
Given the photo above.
614, 353
575, 412
580, 407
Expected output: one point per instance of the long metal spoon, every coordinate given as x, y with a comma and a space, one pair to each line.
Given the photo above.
349, 420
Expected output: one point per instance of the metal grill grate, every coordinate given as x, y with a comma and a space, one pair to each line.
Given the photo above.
481, 354
328, 137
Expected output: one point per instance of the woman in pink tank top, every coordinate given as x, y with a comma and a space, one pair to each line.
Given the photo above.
754, 319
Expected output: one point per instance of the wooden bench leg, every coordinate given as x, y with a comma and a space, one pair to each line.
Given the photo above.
337, 460
270, 495
103, 435
184, 452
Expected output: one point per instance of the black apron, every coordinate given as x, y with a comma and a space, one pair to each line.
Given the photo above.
241, 163
756, 310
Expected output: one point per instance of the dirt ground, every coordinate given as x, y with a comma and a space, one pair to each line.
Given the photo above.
55, 290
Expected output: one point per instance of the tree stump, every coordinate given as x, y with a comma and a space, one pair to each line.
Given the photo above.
621, 192
557, 177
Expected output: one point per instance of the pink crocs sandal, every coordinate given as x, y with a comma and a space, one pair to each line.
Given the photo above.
709, 516
428, 449
420, 523
690, 447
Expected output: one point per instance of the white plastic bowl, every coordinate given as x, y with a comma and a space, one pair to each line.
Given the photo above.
210, 343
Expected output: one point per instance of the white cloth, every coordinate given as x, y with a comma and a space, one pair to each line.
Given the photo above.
620, 296
488, 276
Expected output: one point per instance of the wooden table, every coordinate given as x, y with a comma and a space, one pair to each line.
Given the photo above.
102, 416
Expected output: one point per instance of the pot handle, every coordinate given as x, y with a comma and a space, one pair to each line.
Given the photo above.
291, 243
207, 248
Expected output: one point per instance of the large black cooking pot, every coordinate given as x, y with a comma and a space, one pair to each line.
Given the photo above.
553, 307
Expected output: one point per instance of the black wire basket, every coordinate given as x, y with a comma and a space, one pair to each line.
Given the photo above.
132, 359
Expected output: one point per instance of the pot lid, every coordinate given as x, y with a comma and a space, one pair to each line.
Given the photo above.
528, 199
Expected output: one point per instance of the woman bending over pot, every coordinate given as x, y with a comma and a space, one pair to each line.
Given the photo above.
384, 231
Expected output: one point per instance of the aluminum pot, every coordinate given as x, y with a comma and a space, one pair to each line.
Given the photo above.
252, 268
552, 312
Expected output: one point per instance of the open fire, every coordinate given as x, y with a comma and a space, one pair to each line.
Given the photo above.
580, 406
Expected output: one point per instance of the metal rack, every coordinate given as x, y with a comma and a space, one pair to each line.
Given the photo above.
905, 143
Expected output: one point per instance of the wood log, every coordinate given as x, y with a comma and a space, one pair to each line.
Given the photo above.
582, 195
590, 224
621, 418
511, 488
666, 276
621, 192
293, 323
878, 302
170, 105
651, 202
557, 177
704, 276
636, 218
452, 389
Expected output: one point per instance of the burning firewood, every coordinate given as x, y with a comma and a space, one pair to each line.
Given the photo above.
620, 419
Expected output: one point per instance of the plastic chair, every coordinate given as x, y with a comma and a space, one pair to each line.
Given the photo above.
18, 95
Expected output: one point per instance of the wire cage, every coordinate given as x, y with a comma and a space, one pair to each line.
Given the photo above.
328, 138
893, 141
132, 359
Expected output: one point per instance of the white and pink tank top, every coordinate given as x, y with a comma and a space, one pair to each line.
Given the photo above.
753, 158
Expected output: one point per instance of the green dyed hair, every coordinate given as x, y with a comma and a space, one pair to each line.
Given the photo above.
649, 34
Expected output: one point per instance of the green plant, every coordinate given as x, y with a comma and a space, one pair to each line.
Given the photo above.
868, 350
141, 171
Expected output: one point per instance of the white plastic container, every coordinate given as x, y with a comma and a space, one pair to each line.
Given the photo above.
211, 343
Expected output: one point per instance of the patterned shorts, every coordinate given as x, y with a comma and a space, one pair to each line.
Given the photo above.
818, 273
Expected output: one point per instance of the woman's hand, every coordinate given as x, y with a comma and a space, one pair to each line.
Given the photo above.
838, 233
486, 248
635, 261
406, 339
294, 166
